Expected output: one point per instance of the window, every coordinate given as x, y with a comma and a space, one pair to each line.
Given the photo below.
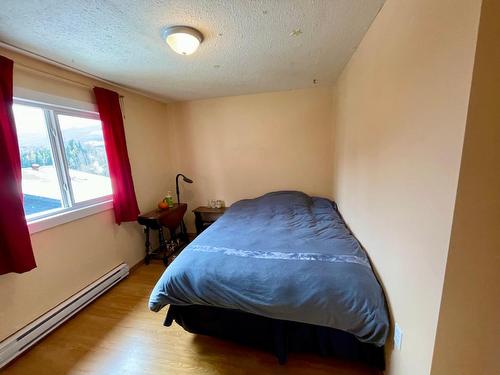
63, 159
86, 156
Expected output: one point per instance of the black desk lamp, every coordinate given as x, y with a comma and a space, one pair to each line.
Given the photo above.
189, 181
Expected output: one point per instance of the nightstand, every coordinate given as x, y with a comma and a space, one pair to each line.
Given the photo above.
204, 216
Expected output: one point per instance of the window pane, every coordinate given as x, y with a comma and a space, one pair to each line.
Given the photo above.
86, 156
41, 188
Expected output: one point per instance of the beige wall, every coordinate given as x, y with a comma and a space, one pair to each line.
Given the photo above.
399, 126
244, 146
71, 256
392, 159
469, 328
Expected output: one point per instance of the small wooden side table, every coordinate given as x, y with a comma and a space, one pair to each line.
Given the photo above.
205, 216
169, 218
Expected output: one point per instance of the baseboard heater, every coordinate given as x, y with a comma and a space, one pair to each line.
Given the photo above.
28, 336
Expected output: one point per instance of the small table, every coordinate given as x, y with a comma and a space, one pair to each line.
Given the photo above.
170, 218
205, 216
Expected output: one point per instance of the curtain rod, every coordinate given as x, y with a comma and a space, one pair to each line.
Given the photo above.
44, 59
18, 65
64, 79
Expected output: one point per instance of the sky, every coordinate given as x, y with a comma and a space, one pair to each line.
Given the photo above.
32, 130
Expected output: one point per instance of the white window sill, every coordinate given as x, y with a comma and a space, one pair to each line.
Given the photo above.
68, 216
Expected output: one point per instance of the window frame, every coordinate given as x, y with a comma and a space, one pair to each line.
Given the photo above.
70, 209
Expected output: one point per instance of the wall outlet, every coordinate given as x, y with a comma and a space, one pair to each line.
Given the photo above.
398, 337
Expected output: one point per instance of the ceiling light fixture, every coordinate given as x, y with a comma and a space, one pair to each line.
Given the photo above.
184, 40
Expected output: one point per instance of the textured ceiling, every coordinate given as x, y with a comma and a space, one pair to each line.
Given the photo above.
247, 48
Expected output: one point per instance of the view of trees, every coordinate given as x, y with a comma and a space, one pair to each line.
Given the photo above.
35, 155
86, 157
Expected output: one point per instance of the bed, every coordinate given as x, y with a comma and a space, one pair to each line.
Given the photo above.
281, 271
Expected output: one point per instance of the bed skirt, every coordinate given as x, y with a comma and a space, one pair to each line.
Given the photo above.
279, 336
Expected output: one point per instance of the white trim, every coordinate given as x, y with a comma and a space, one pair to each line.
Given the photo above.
28, 336
62, 210
29, 95
64, 217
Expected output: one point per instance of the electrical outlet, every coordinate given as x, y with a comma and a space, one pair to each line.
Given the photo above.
398, 337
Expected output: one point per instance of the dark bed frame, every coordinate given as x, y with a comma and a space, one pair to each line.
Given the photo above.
279, 336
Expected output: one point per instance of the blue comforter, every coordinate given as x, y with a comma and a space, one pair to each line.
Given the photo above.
284, 255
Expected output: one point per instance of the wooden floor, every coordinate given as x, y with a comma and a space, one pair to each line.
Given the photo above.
117, 334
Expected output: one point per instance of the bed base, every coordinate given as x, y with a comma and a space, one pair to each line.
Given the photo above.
279, 336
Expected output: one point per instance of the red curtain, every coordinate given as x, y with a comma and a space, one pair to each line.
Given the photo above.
16, 254
124, 201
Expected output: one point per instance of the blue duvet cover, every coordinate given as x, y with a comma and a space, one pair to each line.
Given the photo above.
284, 255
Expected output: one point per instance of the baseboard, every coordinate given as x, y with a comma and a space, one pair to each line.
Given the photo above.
28, 336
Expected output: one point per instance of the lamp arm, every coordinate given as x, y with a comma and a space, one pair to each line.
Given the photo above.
177, 187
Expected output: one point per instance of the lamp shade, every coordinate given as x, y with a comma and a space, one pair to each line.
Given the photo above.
183, 40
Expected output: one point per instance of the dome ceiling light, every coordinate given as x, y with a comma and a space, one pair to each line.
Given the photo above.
184, 40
